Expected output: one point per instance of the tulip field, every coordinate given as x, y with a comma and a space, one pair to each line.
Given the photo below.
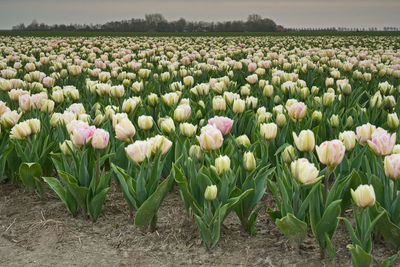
148, 151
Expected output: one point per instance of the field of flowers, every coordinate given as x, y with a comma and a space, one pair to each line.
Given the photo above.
309, 123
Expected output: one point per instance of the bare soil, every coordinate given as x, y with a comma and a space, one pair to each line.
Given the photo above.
38, 231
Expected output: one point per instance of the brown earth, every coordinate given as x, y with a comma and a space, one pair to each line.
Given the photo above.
38, 231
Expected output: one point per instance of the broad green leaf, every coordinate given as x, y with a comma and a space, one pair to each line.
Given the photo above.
63, 194
30, 174
359, 257
79, 192
124, 180
294, 229
150, 207
96, 204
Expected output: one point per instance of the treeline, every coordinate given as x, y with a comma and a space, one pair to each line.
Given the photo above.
157, 23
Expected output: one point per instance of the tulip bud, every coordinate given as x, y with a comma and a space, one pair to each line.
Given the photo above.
249, 161
349, 139
58, 96
219, 103
305, 141
281, 120
167, 125
222, 164
195, 152
243, 140
396, 149
145, 122
211, 192
268, 131
268, 90
238, 105
393, 121
349, 122
188, 81
389, 101
152, 99
334, 121
376, 100
327, 99
187, 129
288, 154
364, 196
364, 133
317, 115
67, 147
124, 130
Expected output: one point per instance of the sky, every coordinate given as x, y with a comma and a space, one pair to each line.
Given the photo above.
289, 13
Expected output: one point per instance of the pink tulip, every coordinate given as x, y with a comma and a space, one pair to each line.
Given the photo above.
252, 67
24, 102
382, 142
297, 110
100, 139
223, 124
81, 134
331, 153
210, 138
392, 166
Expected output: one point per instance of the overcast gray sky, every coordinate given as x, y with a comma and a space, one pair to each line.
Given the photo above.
289, 13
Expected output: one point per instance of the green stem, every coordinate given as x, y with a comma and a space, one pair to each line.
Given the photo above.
97, 165
326, 181
394, 189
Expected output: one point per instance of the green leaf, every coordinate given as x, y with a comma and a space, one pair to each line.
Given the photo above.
150, 207
95, 205
125, 184
385, 227
359, 257
329, 220
294, 229
183, 185
30, 174
354, 237
78, 192
63, 194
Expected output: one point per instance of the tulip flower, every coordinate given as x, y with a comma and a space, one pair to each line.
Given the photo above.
304, 171
249, 161
331, 153
223, 124
392, 166
124, 130
243, 140
139, 151
187, 129
305, 141
363, 196
268, 131
222, 164
364, 133
145, 122
210, 138
349, 139
382, 142
211, 192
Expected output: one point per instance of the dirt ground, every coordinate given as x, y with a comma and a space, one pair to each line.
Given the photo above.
40, 232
